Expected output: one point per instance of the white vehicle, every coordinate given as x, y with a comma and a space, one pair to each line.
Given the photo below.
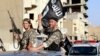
85, 50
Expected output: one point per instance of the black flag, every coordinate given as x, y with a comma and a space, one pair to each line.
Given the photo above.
53, 10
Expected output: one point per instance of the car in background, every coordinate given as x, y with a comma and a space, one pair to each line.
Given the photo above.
86, 49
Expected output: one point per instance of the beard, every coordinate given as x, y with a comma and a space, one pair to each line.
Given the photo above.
50, 29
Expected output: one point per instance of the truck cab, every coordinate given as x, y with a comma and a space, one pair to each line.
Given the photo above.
85, 49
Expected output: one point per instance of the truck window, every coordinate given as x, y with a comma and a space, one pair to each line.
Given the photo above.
83, 51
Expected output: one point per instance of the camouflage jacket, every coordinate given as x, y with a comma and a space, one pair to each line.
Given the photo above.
53, 40
28, 37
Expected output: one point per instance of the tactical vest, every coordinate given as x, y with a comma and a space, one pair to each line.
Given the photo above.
54, 46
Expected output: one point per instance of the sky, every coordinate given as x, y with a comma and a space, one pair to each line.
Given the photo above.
94, 12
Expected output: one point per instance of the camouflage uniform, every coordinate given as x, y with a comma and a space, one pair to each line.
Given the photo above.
28, 37
53, 41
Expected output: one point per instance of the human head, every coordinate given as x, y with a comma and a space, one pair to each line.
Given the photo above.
52, 23
27, 24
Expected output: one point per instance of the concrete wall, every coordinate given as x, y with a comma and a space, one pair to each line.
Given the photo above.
75, 24
16, 9
68, 24
40, 5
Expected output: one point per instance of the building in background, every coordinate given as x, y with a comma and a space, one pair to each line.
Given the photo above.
76, 20
76, 26
32, 8
15, 7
